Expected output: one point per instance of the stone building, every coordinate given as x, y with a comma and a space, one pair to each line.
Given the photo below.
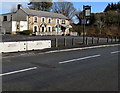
40, 22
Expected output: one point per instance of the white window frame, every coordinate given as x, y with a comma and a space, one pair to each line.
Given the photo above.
34, 19
57, 21
50, 20
37, 28
48, 28
45, 28
42, 19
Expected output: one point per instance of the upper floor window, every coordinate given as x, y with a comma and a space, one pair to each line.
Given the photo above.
49, 20
4, 18
43, 20
57, 21
63, 21
35, 19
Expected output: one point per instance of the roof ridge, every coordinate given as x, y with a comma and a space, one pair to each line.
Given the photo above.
42, 11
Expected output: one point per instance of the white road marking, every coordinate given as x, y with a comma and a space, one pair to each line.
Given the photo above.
115, 52
23, 70
68, 61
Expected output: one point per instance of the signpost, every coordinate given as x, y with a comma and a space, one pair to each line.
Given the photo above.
85, 20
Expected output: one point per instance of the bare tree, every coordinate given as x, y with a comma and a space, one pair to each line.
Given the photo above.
66, 8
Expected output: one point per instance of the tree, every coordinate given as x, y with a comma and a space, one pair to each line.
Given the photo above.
66, 8
112, 7
43, 6
79, 15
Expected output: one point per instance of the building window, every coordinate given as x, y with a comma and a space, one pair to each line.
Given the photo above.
35, 19
49, 29
43, 29
35, 29
18, 26
4, 18
49, 20
63, 21
57, 21
43, 20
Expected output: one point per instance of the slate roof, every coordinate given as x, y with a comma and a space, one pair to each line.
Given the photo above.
43, 13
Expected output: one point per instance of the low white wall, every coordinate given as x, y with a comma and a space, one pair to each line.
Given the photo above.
35, 45
24, 45
14, 26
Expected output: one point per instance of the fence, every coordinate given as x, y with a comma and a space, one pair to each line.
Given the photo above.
79, 41
24, 45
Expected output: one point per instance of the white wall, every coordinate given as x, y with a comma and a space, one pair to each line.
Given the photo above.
13, 26
24, 45
23, 25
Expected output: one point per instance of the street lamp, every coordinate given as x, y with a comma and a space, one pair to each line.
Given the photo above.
86, 17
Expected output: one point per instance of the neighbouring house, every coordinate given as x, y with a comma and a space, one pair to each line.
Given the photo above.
40, 22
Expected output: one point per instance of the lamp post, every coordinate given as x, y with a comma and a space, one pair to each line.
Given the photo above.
86, 15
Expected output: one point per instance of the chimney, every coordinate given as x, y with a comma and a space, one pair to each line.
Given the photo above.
19, 6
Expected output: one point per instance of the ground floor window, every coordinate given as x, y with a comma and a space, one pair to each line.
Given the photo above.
43, 29
49, 29
35, 29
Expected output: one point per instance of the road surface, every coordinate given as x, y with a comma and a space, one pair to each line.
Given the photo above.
78, 70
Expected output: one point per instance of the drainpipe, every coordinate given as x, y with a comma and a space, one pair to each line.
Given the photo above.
28, 21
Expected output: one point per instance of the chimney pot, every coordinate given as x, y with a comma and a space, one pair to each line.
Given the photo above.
19, 6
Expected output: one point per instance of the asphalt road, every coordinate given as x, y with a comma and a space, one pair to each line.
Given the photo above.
79, 70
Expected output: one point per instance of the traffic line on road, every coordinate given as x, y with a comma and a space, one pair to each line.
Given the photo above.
88, 57
14, 72
115, 52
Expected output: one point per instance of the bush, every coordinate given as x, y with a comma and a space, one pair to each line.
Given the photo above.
26, 32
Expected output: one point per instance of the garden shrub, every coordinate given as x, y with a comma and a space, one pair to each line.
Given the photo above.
26, 32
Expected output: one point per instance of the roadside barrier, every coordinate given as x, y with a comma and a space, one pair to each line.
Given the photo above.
24, 46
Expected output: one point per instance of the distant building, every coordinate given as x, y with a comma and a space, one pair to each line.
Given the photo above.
40, 22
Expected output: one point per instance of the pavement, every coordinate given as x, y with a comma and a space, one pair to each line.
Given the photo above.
75, 69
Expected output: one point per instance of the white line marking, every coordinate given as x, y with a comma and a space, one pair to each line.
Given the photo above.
68, 61
115, 52
23, 70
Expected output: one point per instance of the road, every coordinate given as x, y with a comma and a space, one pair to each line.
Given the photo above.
74, 70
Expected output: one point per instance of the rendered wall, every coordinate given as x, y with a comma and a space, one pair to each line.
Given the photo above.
24, 45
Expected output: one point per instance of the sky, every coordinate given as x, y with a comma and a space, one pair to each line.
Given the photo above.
6, 6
